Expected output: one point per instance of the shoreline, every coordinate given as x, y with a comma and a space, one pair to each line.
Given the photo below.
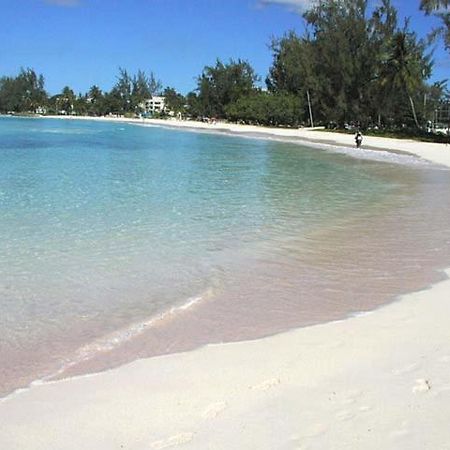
379, 378
437, 153
369, 381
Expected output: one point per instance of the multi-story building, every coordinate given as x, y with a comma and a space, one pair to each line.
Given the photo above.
153, 105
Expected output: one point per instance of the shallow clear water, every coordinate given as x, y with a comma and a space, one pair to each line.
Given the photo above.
108, 229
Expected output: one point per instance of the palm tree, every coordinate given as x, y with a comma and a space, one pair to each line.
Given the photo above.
439, 8
406, 67
66, 100
432, 5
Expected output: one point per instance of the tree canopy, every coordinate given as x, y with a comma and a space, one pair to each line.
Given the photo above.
354, 67
22, 93
222, 84
439, 8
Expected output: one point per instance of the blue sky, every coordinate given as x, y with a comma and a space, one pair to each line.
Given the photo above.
83, 42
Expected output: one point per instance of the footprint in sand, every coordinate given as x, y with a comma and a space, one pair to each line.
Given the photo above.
173, 441
351, 396
421, 385
314, 430
402, 431
266, 385
214, 410
344, 415
407, 369
365, 408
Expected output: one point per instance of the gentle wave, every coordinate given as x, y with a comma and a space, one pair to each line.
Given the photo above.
359, 153
114, 340
119, 337
364, 153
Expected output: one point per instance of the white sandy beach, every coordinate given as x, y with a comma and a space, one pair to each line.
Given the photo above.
433, 152
437, 153
376, 381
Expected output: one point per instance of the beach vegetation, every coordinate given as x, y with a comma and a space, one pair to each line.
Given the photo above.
353, 68
266, 108
174, 101
23, 93
440, 9
222, 84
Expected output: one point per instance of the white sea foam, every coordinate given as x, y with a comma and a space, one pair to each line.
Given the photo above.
359, 153
114, 340
119, 337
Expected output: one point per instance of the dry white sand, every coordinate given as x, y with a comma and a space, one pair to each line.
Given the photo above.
377, 381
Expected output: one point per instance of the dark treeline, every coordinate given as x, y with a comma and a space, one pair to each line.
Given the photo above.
25, 93
348, 68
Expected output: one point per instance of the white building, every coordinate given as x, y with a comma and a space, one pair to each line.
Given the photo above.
153, 105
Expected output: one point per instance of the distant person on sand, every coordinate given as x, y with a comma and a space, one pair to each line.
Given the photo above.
358, 139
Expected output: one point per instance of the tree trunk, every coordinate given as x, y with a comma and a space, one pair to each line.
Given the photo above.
413, 109
310, 109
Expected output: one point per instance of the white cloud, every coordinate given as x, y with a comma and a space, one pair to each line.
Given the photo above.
63, 2
296, 5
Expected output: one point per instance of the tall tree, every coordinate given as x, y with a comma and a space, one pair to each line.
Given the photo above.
344, 64
266, 108
293, 70
193, 106
223, 84
351, 66
95, 101
174, 101
440, 9
130, 91
23, 93
383, 25
406, 68
120, 94
66, 100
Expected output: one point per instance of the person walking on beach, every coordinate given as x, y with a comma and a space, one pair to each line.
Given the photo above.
358, 139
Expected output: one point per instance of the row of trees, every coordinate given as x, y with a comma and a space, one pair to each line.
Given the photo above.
348, 67
26, 93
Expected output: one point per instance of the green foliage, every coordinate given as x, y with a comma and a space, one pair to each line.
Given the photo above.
404, 70
439, 8
24, 93
143, 88
95, 102
222, 84
174, 101
354, 67
130, 91
120, 99
193, 106
265, 108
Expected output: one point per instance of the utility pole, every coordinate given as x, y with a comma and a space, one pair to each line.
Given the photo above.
310, 109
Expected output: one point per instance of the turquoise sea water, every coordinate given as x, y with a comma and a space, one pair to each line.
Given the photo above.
106, 227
